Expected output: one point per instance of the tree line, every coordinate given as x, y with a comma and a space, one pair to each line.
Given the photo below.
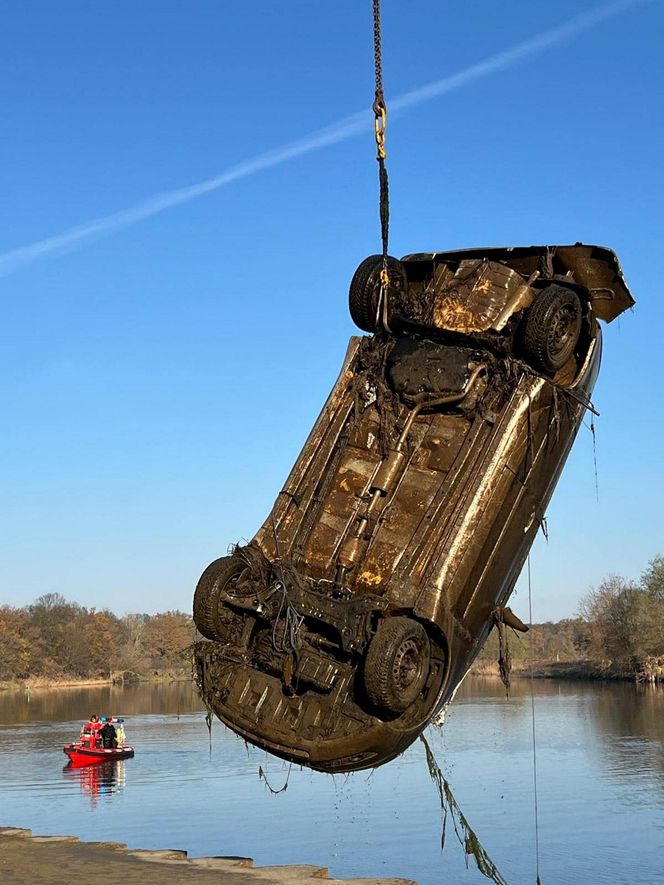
56, 639
618, 632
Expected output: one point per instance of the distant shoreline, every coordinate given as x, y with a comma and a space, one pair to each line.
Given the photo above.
572, 671
39, 683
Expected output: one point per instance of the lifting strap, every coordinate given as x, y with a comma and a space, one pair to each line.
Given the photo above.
380, 124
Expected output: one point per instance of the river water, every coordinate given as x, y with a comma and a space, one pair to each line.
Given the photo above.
600, 771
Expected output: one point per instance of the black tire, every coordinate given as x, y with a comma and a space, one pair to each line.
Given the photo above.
552, 328
365, 287
397, 664
208, 590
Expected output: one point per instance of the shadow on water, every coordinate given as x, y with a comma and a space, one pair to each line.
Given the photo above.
467, 837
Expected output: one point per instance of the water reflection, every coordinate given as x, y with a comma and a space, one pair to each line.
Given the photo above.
76, 703
624, 721
600, 758
628, 728
98, 781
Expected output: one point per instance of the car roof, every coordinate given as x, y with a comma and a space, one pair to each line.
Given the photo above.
596, 268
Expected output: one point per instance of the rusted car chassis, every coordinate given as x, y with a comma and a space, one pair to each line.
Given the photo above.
350, 619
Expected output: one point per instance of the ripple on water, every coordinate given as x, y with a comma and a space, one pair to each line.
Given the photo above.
601, 778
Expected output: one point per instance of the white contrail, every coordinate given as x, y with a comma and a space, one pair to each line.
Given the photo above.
344, 129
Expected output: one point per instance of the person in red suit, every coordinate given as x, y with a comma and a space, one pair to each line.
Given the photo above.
89, 733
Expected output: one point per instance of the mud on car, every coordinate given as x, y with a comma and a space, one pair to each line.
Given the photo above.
346, 624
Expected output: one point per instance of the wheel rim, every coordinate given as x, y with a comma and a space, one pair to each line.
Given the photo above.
563, 333
235, 588
407, 668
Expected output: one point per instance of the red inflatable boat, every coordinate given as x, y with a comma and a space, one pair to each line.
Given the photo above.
81, 754
89, 748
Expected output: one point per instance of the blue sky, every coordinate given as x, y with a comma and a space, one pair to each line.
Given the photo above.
159, 378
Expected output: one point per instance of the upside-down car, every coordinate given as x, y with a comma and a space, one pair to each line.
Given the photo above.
345, 625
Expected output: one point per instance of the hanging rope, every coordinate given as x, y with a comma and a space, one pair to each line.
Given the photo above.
532, 710
380, 125
592, 430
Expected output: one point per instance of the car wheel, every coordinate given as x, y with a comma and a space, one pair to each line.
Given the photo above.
208, 590
552, 328
365, 288
397, 664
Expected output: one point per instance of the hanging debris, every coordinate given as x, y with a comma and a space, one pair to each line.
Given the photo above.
467, 837
274, 791
344, 626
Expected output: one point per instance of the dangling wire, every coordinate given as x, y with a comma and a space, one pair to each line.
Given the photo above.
592, 430
380, 125
532, 710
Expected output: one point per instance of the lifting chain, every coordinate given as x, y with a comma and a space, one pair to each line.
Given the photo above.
380, 124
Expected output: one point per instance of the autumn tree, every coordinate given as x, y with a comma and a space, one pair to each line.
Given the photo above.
131, 653
625, 619
54, 617
103, 636
18, 643
166, 638
652, 580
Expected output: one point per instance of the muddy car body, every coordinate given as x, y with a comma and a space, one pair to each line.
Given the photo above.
347, 623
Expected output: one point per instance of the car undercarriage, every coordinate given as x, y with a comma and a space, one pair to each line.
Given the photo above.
347, 623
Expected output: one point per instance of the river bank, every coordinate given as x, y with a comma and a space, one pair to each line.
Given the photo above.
31, 860
576, 671
39, 683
